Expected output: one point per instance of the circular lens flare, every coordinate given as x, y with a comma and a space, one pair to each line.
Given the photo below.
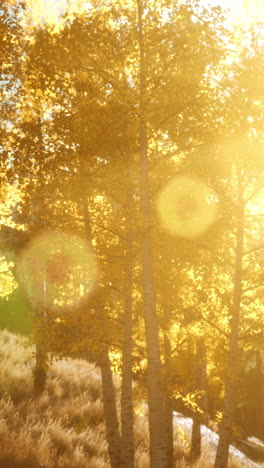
57, 270
187, 207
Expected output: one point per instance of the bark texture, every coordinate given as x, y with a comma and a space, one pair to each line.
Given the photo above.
196, 439
229, 400
158, 452
109, 397
200, 383
127, 435
110, 412
40, 372
168, 407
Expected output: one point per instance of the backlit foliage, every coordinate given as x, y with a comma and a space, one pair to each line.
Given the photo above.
7, 281
130, 157
10, 197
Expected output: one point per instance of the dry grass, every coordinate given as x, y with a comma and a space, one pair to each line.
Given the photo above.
64, 427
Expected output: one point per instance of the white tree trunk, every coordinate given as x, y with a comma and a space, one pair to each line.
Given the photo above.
229, 399
158, 455
110, 413
109, 398
127, 435
168, 407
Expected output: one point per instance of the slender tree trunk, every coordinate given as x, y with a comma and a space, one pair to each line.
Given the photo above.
127, 437
196, 426
168, 401
196, 439
204, 382
229, 399
258, 407
41, 325
109, 397
40, 372
110, 412
200, 384
158, 454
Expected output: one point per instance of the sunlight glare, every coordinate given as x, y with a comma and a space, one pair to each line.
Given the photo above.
241, 13
248, 12
46, 11
49, 12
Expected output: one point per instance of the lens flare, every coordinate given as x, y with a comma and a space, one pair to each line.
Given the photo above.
57, 270
187, 207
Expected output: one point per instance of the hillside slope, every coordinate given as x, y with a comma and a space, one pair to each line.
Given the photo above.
64, 427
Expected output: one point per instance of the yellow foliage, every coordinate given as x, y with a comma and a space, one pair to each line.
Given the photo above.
116, 361
218, 416
182, 437
10, 195
7, 281
190, 399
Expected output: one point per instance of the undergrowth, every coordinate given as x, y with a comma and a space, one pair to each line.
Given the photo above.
64, 427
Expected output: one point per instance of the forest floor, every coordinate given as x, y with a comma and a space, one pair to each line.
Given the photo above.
64, 427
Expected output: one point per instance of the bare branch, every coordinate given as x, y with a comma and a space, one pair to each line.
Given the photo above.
253, 250
215, 326
252, 288
178, 346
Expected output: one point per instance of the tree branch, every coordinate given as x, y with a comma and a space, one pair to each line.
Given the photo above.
252, 288
216, 327
255, 249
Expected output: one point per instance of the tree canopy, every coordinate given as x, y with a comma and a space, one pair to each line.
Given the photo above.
132, 186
